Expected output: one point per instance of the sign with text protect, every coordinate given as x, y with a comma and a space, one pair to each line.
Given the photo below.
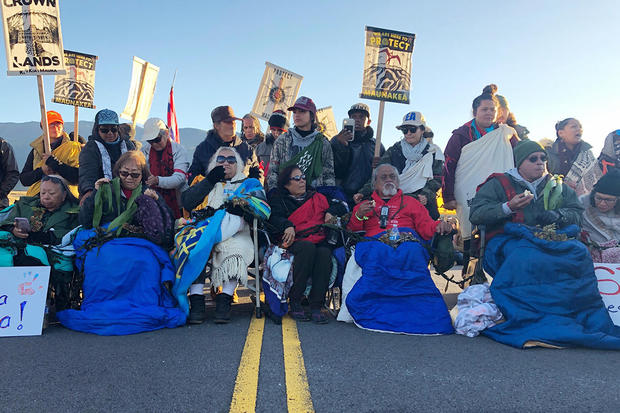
608, 276
77, 87
278, 89
387, 65
23, 292
32, 37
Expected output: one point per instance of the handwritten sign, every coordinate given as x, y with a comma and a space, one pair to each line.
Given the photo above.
23, 291
608, 276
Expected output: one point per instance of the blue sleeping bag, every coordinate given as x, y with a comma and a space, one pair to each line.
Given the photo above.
547, 291
123, 288
396, 292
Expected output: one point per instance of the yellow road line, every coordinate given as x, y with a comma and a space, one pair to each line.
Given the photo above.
246, 385
298, 396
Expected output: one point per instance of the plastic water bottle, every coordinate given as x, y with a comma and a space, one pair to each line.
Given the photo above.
394, 234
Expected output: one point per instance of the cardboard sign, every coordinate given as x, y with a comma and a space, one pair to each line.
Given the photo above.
327, 122
141, 91
77, 87
387, 65
277, 90
23, 291
32, 37
608, 276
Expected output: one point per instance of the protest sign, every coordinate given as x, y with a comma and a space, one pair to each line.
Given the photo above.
32, 37
141, 91
277, 90
327, 122
608, 276
387, 65
23, 292
77, 87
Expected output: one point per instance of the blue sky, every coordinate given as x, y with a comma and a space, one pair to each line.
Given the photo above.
550, 59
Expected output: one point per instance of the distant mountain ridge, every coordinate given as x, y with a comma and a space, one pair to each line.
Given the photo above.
19, 135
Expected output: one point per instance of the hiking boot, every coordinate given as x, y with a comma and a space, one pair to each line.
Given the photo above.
197, 310
319, 317
297, 312
222, 308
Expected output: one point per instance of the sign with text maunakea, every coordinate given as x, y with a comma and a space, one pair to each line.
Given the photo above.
32, 37
23, 291
77, 87
141, 91
277, 90
387, 65
327, 122
608, 276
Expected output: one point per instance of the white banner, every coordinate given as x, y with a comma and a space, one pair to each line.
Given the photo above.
23, 291
277, 90
141, 91
32, 37
608, 276
327, 122
77, 87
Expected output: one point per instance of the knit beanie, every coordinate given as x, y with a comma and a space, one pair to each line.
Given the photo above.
523, 149
278, 120
609, 184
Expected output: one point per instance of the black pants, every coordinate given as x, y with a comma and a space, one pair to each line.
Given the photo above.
313, 261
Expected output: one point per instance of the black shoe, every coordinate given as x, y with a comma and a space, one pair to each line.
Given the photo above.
222, 308
197, 310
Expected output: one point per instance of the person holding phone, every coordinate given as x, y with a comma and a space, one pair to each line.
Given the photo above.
354, 152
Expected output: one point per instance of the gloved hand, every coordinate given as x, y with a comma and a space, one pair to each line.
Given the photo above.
216, 175
254, 172
239, 211
548, 218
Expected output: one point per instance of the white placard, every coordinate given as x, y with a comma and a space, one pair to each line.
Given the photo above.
608, 276
327, 122
277, 90
32, 37
141, 91
23, 291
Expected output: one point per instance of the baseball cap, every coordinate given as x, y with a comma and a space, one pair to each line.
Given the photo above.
412, 119
54, 117
304, 103
360, 107
106, 117
223, 113
152, 128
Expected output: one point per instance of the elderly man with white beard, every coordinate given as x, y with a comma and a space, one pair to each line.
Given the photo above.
387, 286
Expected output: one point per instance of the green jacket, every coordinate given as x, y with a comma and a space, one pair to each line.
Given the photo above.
486, 207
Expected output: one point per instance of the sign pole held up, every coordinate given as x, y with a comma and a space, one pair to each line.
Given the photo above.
140, 87
76, 126
379, 129
44, 125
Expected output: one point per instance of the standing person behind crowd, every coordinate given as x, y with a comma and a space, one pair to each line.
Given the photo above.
222, 134
504, 115
278, 124
251, 133
63, 161
572, 157
419, 163
476, 150
9, 172
305, 146
354, 153
101, 152
609, 158
168, 163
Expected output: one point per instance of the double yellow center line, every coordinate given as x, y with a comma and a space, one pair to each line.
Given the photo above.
298, 397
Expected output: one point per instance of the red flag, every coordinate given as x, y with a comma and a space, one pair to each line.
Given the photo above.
172, 118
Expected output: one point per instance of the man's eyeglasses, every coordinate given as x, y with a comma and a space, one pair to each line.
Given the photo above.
409, 129
156, 139
230, 159
125, 174
298, 177
535, 158
605, 200
105, 130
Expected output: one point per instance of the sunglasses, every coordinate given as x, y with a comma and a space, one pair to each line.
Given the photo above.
409, 129
125, 174
534, 159
105, 130
298, 177
155, 140
230, 159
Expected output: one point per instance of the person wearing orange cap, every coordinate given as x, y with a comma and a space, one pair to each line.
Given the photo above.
63, 161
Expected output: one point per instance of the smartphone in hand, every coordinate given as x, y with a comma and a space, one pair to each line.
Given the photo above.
349, 124
23, 224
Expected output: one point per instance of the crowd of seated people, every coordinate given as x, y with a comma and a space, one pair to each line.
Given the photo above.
146, 229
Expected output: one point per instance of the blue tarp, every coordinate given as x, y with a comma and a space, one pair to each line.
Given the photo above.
396, 292
123, 288
547, 291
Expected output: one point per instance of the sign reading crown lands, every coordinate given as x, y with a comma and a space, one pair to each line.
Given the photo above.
278, 89
32, 37
387, 65
77, 87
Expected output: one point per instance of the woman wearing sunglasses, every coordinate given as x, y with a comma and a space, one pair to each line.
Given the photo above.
103, 149
295, 210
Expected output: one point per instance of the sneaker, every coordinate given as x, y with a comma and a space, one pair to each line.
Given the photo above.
297, 312
222, 308
319, 317
197, 310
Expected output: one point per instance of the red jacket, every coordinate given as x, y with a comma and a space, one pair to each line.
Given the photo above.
310, 214
404, 211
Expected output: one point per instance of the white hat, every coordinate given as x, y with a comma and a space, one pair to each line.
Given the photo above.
412, 119
152, 128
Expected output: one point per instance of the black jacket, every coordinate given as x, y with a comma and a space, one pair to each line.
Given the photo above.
91, 166
9, 172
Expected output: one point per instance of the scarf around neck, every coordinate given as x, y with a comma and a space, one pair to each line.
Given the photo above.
480, 132
302, 141
412, 153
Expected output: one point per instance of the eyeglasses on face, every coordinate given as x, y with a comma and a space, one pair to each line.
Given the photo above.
125, 174
409, 129
298, 177
230, 159
105, 129
535, 158
607, 201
